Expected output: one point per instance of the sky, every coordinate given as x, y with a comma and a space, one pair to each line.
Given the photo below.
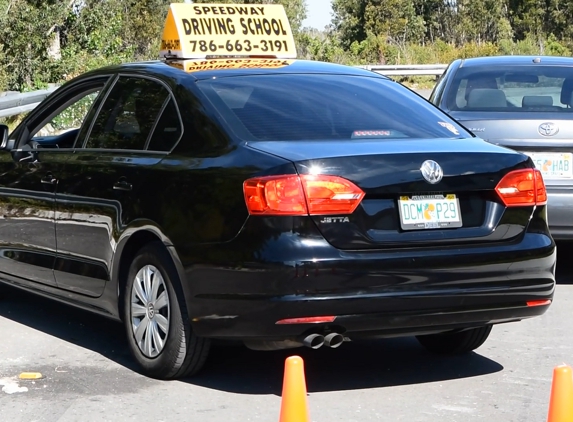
318, 13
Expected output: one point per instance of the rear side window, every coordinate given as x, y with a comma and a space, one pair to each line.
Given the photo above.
516, 88
129, 114
325, 107
168, 129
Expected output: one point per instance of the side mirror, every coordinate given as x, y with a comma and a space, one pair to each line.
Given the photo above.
5, 143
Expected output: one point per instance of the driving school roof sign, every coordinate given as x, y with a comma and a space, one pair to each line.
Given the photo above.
196, 31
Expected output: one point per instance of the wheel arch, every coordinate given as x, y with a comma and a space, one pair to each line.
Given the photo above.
128, 247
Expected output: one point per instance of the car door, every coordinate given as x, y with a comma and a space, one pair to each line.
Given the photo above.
107, 179
29, 179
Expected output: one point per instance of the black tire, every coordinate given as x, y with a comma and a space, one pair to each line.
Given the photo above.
182, 353
457, 342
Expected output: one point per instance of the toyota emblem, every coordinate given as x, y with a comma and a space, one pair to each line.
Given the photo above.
432, 171
548, 129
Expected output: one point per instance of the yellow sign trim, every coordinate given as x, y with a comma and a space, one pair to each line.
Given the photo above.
198, 31
196, 65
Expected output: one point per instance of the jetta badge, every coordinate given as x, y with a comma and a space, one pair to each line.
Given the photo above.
548, 129
431, 171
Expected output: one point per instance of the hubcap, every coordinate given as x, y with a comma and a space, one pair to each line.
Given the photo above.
149, 311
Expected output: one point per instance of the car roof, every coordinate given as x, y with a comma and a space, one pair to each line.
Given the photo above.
517, 60
173, 68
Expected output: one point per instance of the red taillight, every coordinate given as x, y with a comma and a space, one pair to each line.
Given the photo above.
301, 195
521, 188
540, 191
275, 195
330, 194
533, 303
307, 320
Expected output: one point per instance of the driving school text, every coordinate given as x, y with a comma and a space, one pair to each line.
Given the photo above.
225, 26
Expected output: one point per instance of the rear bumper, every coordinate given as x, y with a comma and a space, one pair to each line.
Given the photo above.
560, 213
371, 293
375, 314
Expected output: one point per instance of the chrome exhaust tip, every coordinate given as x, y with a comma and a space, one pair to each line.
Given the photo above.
314, 341
333, 340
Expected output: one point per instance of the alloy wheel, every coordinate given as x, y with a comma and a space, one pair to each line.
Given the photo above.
150, 311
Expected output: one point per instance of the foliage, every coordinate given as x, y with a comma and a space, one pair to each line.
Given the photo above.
53, 40
437, 31
25, 34
349, 20
3, 73
73, 116
50, 41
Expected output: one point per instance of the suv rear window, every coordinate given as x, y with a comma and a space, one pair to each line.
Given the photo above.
325, 107
516, 88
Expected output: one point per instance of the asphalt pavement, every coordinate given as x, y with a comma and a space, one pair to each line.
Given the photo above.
88, 374
424, 93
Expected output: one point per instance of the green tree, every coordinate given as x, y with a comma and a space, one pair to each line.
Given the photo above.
529, 18
483, 21
395, 19
142, 25
350, 20
440, 18
367, 27
558, 19
117, 28
52, 40
26, 35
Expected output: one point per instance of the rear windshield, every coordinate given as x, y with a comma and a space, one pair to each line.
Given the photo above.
325, 107
516, 88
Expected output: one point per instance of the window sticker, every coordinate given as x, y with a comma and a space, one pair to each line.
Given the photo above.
450, 127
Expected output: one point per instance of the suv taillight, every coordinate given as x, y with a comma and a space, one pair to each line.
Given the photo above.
522, 188
301, 195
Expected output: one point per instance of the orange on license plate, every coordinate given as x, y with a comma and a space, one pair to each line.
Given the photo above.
429, 212
553, 165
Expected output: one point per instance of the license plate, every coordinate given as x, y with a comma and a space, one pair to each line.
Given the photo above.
553, 165
429, 212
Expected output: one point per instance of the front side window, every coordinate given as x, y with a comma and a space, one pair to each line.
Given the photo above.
516, 88
128, 115
71, 117
60, 128
296, 107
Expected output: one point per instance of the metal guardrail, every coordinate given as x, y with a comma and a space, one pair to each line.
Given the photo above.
15, 103
407, 70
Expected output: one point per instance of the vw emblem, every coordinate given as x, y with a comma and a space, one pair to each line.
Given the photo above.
548, 129
431, 171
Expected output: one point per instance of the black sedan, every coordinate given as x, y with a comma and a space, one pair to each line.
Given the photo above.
281, 204
524, 103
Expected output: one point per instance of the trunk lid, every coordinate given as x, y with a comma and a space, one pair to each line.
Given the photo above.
546, 137
389, 173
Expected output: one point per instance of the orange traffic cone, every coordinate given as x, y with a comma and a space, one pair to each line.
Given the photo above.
294, 406
561, 400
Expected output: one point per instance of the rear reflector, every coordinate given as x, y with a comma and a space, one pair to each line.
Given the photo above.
533, 303
522, 188
307, 320
301, 195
